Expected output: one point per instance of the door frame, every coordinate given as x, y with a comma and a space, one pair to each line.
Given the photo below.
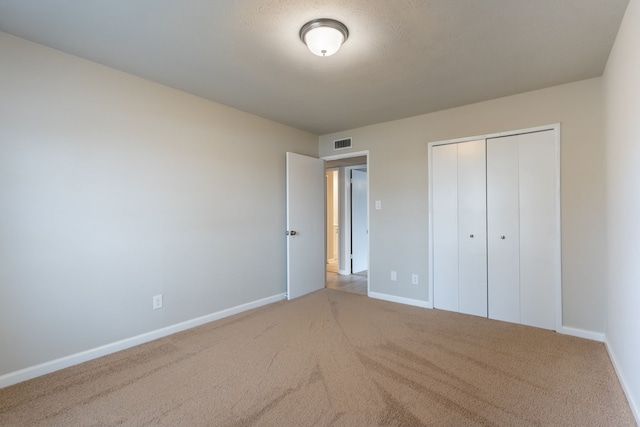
554, 127
346, 202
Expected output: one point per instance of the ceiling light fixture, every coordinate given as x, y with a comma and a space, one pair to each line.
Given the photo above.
324, 36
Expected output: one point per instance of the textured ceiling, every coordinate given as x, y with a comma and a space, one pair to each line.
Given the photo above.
403, 57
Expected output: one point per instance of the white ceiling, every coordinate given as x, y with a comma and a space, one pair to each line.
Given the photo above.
402, 58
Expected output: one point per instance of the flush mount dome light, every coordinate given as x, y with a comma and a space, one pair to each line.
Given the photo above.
324, 36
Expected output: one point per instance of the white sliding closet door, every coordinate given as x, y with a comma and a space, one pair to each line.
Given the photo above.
459, 232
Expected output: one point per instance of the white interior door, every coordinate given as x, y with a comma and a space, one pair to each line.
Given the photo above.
503, 229
472, 228
459, 227
445, 226
539, 229
359, 223
523, 228
305, 197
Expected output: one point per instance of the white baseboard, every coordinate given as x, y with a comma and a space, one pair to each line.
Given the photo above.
344, 272
84, 356
581, 333
401, 300
635, 409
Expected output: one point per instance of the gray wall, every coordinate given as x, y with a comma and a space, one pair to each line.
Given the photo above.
114, 189
398, 177
622, 91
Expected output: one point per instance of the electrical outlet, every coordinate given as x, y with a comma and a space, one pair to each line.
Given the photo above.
394, 276
157, 301
414, 279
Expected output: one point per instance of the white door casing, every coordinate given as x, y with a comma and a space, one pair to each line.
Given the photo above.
305, 200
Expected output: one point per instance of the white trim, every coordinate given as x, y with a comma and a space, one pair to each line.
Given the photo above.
401, 300
556, 127
430, 219
553, 126
84, 356
635, 409
347, 156
581, 333
559, 316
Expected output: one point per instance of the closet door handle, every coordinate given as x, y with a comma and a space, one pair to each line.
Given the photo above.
471, 235
502, 237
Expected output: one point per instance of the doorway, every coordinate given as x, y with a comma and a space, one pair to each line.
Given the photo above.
347, 237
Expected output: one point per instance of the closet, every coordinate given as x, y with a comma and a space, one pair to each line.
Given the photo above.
495, 224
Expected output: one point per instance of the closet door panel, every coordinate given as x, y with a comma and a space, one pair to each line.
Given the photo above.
539, 249
472, 226
445, 226
503, 240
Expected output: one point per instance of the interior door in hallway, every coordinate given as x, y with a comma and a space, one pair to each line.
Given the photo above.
359, 222
305, 200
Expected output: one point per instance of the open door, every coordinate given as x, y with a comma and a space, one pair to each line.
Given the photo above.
305, 225
359, 222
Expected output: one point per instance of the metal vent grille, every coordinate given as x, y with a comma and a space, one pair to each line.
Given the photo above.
341, 144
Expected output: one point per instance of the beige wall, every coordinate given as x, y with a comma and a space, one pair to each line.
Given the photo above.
622, 94
114, 189
398, 178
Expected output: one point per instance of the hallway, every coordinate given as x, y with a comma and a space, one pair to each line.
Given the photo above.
354, 283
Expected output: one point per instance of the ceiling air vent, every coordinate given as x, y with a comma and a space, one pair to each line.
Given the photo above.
341, 144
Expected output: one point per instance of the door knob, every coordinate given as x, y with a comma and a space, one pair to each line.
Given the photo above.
471, 235
502, 237
293, 232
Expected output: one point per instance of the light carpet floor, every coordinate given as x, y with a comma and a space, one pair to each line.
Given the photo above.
335, 359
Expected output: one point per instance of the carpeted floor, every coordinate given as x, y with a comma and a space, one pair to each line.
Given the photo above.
335, 358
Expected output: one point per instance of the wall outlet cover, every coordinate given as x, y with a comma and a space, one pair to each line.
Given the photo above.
157, 301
